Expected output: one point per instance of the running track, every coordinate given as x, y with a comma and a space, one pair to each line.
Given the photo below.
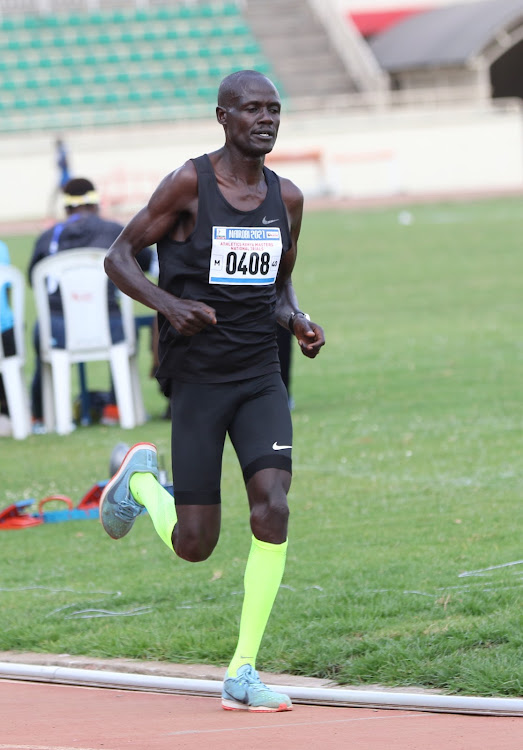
42, 716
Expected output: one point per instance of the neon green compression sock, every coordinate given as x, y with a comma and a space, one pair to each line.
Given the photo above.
147, 491
262, 579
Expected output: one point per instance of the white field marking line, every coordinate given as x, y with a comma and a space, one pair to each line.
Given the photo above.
212, 599
58, 591
70, 606
279, 727
475, 585
85, 614
478, 587
491, 567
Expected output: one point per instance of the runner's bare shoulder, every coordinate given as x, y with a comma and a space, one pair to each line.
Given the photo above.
178, 189
291, 193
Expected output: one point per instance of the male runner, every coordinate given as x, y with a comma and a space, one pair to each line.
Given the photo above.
226, 229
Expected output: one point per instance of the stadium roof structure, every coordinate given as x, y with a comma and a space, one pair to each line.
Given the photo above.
450, 36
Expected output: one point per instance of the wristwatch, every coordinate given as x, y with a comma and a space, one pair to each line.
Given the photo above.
290, 322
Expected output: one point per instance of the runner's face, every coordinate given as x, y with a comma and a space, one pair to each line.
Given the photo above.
253, 119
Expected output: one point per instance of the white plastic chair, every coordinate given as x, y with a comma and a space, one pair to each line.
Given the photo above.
12, 368
83, 286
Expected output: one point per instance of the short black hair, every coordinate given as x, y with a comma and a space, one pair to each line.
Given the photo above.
231, 85
78, 186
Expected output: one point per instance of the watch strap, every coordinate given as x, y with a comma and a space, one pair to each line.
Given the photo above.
293, 316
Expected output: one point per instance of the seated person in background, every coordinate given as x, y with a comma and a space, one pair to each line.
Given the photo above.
6, 324
82, 227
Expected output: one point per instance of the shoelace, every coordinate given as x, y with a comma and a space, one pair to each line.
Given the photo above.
259, 687
251, 679
127, 510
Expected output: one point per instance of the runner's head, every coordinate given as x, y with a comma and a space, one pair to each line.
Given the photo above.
249, 111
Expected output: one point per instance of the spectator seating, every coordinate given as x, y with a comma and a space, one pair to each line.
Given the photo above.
117, 66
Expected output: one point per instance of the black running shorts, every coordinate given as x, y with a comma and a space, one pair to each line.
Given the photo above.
255, 414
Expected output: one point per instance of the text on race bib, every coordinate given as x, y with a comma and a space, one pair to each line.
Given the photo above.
245, 255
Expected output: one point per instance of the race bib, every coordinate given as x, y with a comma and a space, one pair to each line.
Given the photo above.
245, 255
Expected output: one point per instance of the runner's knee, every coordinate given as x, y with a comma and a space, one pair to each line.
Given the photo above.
194, 547
196, 535
269, 512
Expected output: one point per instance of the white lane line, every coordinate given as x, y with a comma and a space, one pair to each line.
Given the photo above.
47, 747
280, 727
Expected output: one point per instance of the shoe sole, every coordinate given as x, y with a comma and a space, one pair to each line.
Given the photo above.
130, 453
230, 705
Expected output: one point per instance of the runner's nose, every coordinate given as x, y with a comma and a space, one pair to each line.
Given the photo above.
266, 115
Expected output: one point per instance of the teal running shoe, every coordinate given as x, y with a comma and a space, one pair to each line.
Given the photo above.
246, 692
118, 508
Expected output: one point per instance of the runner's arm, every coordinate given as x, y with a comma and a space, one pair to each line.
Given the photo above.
309, 334
170, 207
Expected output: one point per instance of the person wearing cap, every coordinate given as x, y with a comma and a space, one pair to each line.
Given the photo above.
82, 227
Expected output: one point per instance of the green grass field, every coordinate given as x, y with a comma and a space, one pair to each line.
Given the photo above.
405, 561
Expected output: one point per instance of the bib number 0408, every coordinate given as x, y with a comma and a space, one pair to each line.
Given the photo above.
253, 265
245, 255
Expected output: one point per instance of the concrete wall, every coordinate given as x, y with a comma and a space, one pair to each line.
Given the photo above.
347, 156
445, 150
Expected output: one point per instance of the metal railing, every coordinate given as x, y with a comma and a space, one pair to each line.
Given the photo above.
356, 55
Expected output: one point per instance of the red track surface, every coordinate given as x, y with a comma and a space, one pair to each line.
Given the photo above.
38, 716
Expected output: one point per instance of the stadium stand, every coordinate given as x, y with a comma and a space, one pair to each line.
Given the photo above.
122, 65
117, 62
475, 46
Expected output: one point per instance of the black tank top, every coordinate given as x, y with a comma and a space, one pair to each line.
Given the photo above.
229, 262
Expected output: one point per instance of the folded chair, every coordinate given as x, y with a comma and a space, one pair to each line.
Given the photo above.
83, 285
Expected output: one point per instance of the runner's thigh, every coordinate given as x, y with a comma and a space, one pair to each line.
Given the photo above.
261, 430
199, 414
